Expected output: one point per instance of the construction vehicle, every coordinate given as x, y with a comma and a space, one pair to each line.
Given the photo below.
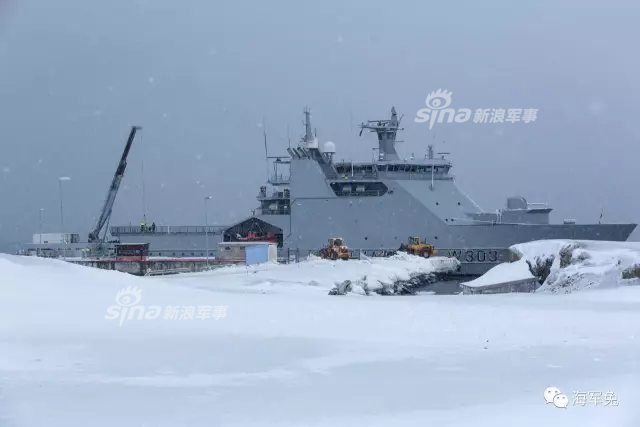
336, 249
417, 247
95, 239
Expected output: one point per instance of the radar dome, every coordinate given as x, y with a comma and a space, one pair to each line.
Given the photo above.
329, 147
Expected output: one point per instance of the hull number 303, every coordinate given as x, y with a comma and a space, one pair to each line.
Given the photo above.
475, 255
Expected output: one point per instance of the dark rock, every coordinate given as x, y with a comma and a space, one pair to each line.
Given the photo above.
632, 272
541, 268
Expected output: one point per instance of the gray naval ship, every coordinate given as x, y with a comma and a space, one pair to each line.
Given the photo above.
377, 205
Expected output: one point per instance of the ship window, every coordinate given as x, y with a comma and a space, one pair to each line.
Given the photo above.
437, 204
174, 254
192, 254
436, 237
182, 253
458, 203
365, 238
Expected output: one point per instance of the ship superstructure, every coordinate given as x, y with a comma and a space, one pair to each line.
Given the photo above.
380, 203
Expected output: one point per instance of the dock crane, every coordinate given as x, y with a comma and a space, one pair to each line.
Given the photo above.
94, 237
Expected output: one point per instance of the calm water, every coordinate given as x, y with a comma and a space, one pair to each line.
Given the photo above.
450, 286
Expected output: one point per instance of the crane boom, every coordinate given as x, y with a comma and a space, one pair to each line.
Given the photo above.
94, 236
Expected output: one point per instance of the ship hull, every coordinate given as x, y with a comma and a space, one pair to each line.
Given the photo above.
477, 247
387, 222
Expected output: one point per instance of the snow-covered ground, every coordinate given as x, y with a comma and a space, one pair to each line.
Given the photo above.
287, 354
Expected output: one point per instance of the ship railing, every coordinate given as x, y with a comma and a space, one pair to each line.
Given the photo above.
274, 195
537, 205
355, 177
168, 229
366, 193
279, 179
281, 211
417, 176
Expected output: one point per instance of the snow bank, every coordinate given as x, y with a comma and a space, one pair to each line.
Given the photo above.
502, 273
315, 274
571, 265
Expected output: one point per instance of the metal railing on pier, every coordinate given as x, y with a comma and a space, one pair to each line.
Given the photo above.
168, 229
296, 255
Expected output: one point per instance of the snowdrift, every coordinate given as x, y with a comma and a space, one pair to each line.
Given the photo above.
502, 273
571, 265
312, 275
365, 276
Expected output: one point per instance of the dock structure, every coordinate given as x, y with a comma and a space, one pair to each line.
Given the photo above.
135, 258
177, 241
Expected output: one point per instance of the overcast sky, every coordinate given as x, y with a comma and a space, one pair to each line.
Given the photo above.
199, 75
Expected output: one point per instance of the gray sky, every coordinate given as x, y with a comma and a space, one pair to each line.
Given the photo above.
199, 76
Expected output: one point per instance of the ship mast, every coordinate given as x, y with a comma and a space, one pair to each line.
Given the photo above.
308, 138
386, 130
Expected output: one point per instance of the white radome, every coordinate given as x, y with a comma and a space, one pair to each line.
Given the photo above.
329, 147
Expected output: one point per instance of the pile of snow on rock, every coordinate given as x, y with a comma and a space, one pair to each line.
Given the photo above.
416, 273
565, 266
398, 274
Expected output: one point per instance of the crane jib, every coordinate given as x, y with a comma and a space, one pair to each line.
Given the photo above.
94, 236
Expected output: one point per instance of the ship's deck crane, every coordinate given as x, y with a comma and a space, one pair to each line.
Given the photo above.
105, 215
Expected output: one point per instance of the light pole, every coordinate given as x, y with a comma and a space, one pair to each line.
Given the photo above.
39, 249
64, 248
41, 210
206, 228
